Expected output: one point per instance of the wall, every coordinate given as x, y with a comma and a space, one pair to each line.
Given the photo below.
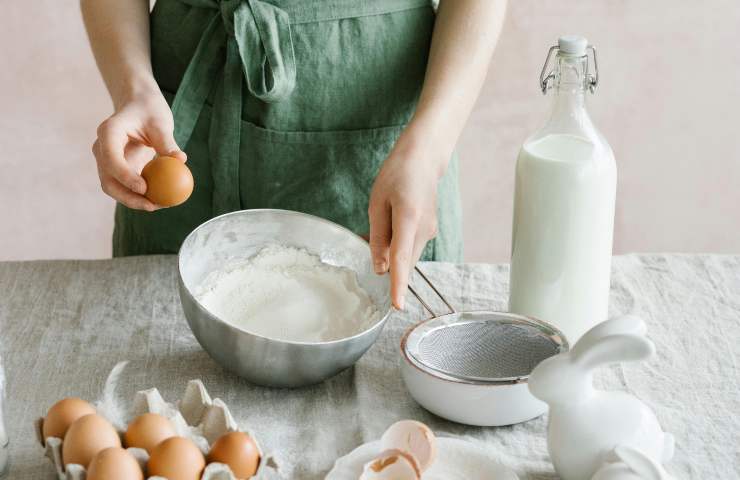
668, 103
51, 101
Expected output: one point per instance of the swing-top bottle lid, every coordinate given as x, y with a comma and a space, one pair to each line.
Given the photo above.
572, 45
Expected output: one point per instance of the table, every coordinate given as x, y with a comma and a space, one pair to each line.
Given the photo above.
65, 324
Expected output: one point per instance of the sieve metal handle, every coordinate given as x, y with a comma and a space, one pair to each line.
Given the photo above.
431, 285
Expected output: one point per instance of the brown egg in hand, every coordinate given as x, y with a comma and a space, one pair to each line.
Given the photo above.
86, 437
147, 431
169, 181
114, 464
238, 451
176, 458
63, 414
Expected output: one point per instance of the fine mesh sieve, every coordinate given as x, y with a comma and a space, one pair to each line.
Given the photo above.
480, 347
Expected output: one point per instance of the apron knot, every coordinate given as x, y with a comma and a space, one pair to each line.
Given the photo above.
263, 34
259, 51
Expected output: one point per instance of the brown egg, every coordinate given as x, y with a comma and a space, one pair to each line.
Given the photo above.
86, 437
176, 458
63, 414
114, 464
168, 181
238, 451
147, 431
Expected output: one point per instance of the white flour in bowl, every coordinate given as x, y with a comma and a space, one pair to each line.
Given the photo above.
286, 293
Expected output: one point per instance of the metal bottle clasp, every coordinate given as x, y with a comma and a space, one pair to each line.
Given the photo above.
547, 76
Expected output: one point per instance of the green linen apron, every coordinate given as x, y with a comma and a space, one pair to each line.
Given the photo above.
290, 104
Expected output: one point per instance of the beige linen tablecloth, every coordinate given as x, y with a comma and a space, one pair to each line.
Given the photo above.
65, 324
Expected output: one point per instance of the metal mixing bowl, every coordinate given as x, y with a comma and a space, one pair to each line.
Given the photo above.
265, 361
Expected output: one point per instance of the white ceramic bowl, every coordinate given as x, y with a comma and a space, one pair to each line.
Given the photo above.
493, 402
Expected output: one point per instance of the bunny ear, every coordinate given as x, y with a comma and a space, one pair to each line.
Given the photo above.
613, 349
614, 326
644, 466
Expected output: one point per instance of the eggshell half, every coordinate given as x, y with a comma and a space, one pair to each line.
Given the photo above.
391, 465
414, 438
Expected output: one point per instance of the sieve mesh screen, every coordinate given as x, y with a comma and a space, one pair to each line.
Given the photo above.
486, 350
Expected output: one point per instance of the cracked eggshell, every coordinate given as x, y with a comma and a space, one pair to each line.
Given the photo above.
391, 465
414, 438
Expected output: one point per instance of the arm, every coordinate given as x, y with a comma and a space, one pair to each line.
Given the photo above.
403, 206
119, 35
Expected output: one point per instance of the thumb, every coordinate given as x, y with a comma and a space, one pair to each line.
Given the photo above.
162, 140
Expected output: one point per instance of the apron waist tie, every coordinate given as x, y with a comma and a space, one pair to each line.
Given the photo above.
259, 48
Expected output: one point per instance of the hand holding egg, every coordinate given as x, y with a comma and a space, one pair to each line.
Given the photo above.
125, 142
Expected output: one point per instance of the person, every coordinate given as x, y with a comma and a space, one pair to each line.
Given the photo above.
345, 109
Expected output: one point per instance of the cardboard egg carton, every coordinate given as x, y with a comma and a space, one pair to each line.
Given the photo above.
196, 416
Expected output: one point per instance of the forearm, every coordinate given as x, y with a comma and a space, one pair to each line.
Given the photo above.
119, 35
465, 35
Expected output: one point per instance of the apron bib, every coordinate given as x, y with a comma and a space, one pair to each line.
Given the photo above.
290, 104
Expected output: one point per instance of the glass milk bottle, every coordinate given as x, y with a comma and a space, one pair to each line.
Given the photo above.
564, 204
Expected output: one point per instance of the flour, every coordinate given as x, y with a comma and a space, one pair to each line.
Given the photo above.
286, 293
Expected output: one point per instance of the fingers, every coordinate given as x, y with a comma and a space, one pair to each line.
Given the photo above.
161, 138
404, 224
113, 188
411, 232
109, 153
380, 235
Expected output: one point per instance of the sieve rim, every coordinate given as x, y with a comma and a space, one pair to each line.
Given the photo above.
548, 330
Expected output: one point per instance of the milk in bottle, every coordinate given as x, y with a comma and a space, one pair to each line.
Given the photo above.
564, 205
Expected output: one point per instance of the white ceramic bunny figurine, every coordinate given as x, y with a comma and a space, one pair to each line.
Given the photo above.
586, 424
627, 463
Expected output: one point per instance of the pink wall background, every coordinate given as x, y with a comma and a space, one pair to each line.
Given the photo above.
668, 103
